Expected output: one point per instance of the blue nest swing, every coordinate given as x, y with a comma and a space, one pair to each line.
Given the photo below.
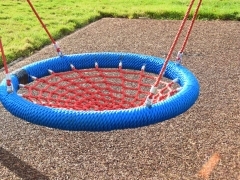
100, 91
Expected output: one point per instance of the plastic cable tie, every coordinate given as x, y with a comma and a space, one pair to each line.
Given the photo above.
60, 53
148, 102
153, 90
55, 46
179, 89
120, 64
143, 67
58, 49
8, 76
10, 88
179, 57
21, 85
33, 77
72, 66
50, 71
175, 80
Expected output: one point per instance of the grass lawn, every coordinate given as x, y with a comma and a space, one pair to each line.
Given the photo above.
21, 33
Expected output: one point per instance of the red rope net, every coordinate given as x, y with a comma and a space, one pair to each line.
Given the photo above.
96, 89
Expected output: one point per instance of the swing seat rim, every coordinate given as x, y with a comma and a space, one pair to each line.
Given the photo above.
75, 120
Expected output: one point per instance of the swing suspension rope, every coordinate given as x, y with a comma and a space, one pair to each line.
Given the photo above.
59, 52
153, 89
8, 78
102, 88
